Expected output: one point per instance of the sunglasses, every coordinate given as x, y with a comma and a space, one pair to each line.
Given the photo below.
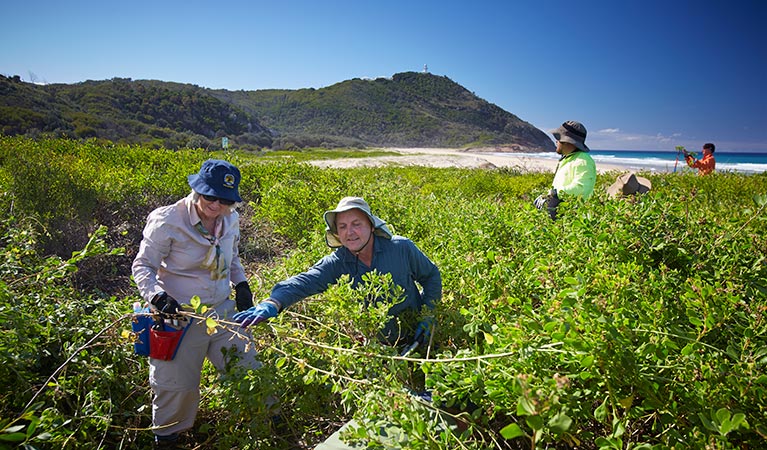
223, 201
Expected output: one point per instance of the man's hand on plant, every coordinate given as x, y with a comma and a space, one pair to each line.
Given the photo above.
267, 309
423, 329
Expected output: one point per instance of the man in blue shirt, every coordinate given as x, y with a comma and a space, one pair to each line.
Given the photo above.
363, 243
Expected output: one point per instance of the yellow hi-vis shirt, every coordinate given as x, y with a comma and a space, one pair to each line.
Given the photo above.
576, 175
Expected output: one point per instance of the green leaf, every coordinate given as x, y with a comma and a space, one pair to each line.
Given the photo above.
512, 431
524, 407
609, 443
725, 427
760, 352
13, 437
560, 423
739, 420
722, 415
602, 443
707, 423
535, 422
619, 428
601, 412
572, 281
32, 426
627, 402
211, 325
694, 319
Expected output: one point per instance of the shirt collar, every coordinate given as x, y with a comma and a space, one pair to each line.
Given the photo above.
194, 218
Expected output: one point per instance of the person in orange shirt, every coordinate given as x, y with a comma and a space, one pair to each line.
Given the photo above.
707, 164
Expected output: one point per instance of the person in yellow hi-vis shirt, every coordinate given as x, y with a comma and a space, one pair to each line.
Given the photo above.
576, 172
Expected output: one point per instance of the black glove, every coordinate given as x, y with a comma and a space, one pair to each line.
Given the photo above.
165, 304
552, 204
243, 297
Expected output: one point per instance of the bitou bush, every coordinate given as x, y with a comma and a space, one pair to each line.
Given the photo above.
630, 323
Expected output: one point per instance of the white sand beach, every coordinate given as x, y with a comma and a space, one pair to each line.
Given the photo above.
448, 157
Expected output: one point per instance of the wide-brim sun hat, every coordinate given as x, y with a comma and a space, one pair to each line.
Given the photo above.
218, 178
629, 183
346, 204
572, 132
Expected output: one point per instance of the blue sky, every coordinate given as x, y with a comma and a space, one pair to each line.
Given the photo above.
639, 74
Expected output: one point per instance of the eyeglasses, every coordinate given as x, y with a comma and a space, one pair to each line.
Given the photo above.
223, 201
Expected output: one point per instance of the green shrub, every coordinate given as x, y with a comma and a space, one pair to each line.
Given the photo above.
633, 323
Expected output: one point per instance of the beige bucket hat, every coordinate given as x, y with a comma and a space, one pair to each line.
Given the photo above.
347, 203
629, 183
572, 132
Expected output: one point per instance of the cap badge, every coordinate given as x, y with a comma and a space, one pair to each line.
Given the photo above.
229, 181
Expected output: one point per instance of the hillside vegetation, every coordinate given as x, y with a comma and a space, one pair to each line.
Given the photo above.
626, 324
410, 109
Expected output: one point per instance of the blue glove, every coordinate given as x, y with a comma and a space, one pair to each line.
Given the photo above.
256, 314
423, 330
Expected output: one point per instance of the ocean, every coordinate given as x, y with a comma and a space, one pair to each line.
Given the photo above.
666, 161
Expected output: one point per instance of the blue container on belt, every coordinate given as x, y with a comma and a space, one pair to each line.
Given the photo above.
141, 323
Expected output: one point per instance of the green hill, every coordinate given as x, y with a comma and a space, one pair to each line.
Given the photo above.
409, 110
124, 111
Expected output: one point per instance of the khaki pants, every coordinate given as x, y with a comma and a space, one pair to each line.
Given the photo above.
176, 383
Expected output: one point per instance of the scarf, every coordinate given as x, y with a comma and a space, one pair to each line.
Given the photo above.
214, 260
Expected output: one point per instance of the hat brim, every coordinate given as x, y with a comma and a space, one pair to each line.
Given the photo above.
564, 137
644, 185
616, 189
201, 187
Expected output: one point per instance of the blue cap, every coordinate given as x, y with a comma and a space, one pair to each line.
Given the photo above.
217, 178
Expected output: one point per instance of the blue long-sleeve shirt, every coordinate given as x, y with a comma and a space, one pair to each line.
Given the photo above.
399, 256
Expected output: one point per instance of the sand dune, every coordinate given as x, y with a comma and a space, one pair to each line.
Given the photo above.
447, 157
